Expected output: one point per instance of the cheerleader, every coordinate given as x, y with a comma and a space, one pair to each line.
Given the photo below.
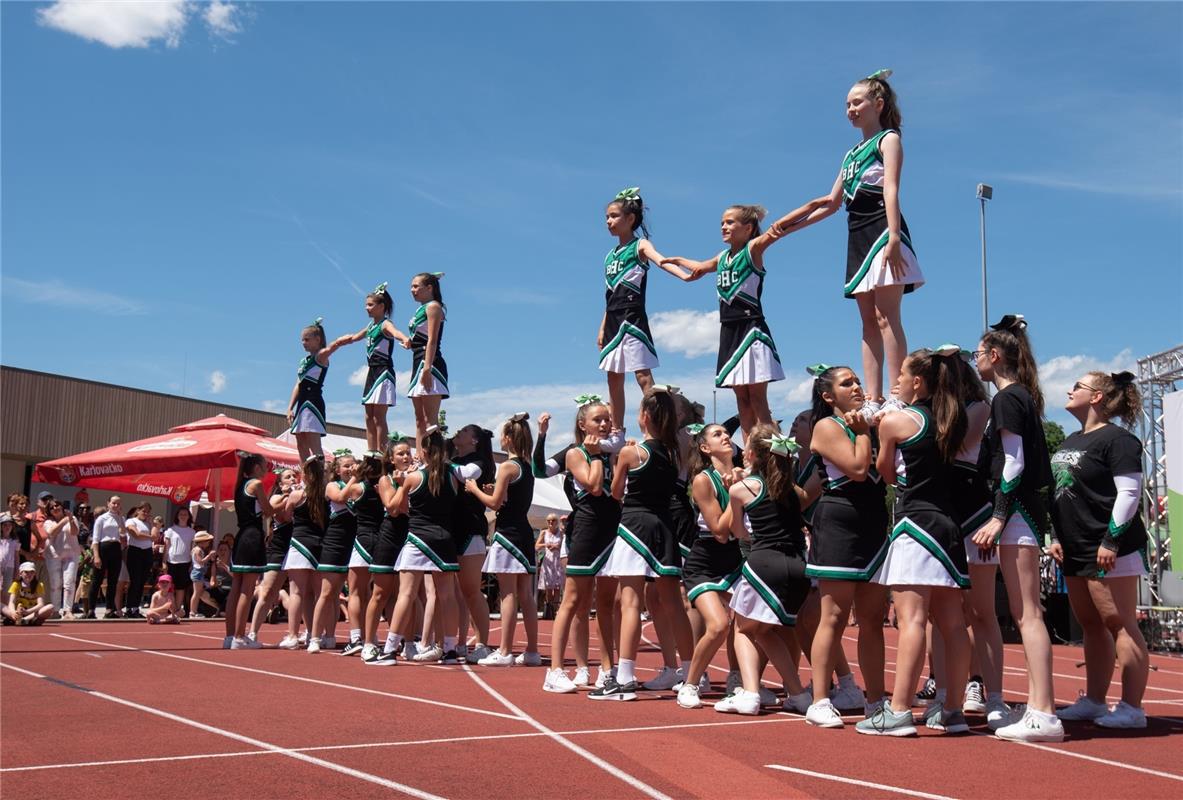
849, 538
772, 584
249, 557
392, 535
748, 360
625, 343
594, 518
925, 562
1015, 460
309, 515
473, 444
429, 371
881, 265
511, 555
277, 547
430, 493
369, 512
713, 565
379, 393
645, 545
1102, 544
343, 491
306, 408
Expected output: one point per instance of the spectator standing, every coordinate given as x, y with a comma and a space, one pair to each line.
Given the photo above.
178, 555
18, 509
106, 548
61, 557
139, 557
550, 569
9, 547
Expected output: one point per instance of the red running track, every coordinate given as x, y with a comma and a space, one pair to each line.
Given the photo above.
118, 709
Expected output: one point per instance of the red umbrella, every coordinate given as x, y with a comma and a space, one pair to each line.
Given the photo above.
190, 459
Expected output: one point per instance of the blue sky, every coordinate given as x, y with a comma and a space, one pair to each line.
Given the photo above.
185, 186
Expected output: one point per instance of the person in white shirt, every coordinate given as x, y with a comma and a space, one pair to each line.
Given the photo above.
178, 555
61, 556
106, 547
139, 557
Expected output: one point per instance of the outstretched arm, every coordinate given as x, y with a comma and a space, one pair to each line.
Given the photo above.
814, 211
648, 251
348, 338
390, 328
697, 268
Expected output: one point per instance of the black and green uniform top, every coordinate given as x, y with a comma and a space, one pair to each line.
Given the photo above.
862, 181
1027, 493
582, 495
651, 484
722, 497
835, 483
922, 476
379, 345
246, 508
470, 511
432, 513
418, 326
1084, 468
311, 375
514, 514
775, 525
739, 283
369, 508
625, 273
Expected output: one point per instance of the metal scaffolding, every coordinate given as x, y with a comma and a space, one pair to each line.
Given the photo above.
1158, 376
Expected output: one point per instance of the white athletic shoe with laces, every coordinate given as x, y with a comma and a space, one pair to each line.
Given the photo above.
289, 642
497, 659
975, 698
582, 679
429, 654
410, 650
1085, 709
557, 681
314, 645
824, 715
740, 702
998, 714
688, 696
1033, 727
602, 677
1123, 715
666, 679
529, 659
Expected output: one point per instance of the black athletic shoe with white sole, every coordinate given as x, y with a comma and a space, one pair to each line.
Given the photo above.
611, 690
353, 648
383, 659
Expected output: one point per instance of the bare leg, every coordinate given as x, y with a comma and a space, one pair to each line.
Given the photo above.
1020, 570
470, 589
447, 612
911, 613
979, 609
717, 621
631, 591
743, 402
575, 599
427, 412
895, 343
836, 599
384, 584
945, 609
758, 398
670, 591
662, 625
359, 595
308, 444
870, 604
1099, 647
1116, 602
403, 620
606, 620
529, 611
324, 615
430, 607
616, 398
507, 583
872, 346
268, 591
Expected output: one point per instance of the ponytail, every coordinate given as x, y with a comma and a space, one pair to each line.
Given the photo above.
823, 381
432, 279
517, 430
1009, 337
435, 460
1120, 394
879, 89
630, 202
750, 215
942, 377
775, 469
247, 464
314, 489
658, 404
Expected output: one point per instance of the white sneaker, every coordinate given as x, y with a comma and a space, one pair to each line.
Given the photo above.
999, 714
1033, 727
558, 682
497, 659
427, 655
289, 642
768, 697
249, 643
688, 696
303, 638
1123, 715
410, 650
228, 643
1085, 709
663, 681
582, 679
847, 697
369, 652
740, 702
237, 643
529, 659
824, 715
975, 698
314, 645
476, 654
602, 677
798, 703
734, 681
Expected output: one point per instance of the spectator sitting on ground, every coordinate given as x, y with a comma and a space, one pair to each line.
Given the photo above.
162, 608
26, 601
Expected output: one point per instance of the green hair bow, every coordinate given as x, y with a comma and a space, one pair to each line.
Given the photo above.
879, 75
695, 428
342, 451
430, 429
380, 288
817, 369
665, 387
316, 322
947, 349
588, 399
521, 416
783, 445
438, 275
398, 436
279, 470
631, 193
372, 454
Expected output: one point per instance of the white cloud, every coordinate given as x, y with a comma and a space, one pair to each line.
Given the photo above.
57, 294
139, 23
274, 406
692, 333
1056, 375
222, 19
358, 376
217, 381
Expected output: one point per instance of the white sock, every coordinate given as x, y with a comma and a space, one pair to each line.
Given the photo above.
450, 643
393, 640
355, 634
624, 671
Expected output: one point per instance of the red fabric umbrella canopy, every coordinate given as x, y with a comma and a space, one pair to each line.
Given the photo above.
198, 457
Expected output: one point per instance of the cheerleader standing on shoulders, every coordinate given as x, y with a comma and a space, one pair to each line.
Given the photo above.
925, 562
645, 545
309, 517
1015, 460
306, 409
473, 444
595, 516
713, 565
1102, 543
849, 538
748, 360
625, 343
277, 548
429, 375
343, 491
881, 266
431, 493
249, 559
511, 556
379, 393
392, 535
369, 512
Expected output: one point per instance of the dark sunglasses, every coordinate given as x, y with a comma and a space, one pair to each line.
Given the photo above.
1078, 386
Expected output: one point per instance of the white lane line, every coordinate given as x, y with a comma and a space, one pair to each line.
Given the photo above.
612, 770
307, 759
867, 784
94, 655
405, 743
1145, 770
198, 635
285, 675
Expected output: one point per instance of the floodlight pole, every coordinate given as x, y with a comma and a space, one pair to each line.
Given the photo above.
985, 192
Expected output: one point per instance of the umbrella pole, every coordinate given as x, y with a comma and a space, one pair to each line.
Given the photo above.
217, 504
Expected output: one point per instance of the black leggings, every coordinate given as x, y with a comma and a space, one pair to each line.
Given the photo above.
139, 564
111, 554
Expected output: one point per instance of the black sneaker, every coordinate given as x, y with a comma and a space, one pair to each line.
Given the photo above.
383, 659
353, 648
450, 657
612, 690
928, 693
